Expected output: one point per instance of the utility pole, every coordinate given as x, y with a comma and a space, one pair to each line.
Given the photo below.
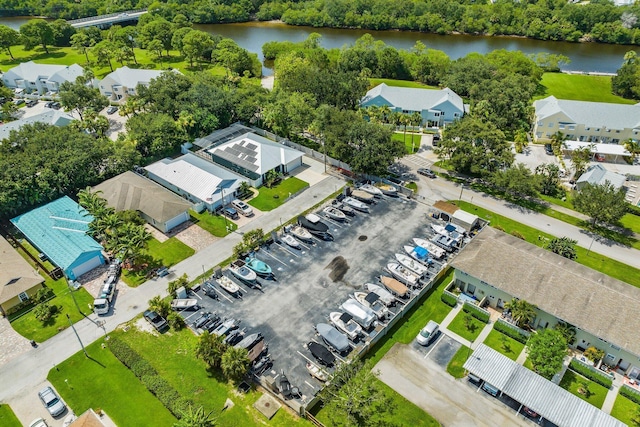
77, 336
74, 297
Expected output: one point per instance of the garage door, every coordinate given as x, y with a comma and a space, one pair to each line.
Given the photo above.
86, 266
177, 220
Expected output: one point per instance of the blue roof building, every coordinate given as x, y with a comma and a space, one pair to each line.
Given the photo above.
58, 229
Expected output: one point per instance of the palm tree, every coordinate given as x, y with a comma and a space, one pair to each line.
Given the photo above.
195, 417
522, 311
405, 120
235, 363
563, 246
210, 349
567, 330
160, 306
132, 241
633, 147
385, 114
92, 202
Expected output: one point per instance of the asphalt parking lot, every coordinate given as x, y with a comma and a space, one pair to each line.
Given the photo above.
315, 280
441, 350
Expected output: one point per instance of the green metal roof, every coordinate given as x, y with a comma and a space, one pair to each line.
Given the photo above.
58, 229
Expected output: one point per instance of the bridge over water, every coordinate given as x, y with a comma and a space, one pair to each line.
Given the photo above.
105, 21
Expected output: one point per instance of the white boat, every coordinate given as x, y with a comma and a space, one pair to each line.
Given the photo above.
385, 296
291, 241
402, 274
361, 314
239, 269
301, 233
228, 285
387, 189
449, 231
356, 204
445, 242
363, 196
347, 210
418, 253
434, 250
334, 213
317, 372
345, 323
374, 191
373, 301
185, 304
412, 264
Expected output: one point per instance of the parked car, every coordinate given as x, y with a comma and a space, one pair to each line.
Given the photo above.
32, 103
242, 207
428, 333
229, 212
548, 149
530, 412
157, 321
56, 105
38, 423
48, 104
427, 172
112, 109
492, 390
18, 101
51, 401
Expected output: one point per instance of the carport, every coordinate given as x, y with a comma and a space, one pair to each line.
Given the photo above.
533, 391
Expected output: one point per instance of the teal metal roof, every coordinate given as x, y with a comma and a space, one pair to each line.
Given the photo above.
58, 229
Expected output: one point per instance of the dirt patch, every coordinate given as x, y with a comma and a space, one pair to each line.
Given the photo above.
144, 326
338, 267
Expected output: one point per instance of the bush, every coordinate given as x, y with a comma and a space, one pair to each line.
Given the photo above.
596, 377
510, 332
142, 368
176, 322
476, 312
517, 234
498, 227
125, 354
43, 294
449, 299
630, 394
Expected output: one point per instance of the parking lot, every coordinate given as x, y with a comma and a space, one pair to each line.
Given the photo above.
315, 280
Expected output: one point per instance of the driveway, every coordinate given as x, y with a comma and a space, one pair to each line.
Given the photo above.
12, 343
454, 403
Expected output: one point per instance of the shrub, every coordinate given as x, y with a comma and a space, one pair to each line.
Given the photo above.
498, 227
630, 394
176, 322
142, 368
449, 299
511, 332
586, 372
125, 354
43, 294
44, 312
516, 233
476, 312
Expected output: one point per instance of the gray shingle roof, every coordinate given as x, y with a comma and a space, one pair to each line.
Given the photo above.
592, 301
16, 274
596, 114
414, 99
597, 175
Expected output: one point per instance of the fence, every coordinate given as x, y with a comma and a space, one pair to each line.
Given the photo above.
514, 327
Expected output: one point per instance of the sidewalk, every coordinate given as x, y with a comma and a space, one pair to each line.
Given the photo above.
449, 318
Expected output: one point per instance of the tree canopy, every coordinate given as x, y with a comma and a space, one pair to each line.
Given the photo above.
603, 203
546, 350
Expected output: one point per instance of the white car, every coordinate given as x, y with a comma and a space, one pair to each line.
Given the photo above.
428, 333
51, 401
242, 207
38, 423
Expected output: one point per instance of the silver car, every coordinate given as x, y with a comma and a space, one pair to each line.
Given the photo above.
51, 401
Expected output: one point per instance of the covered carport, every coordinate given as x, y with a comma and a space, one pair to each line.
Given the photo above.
599, 152
549, 400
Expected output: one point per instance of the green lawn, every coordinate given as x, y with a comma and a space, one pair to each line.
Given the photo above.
214, 224
168, 253
632, 222
593, 260
7, 417
571, 382
102, 382
504, 344
401, 83
624, 409
270, 198
580, 87
468, 331
429, 308
411, 141
455, 366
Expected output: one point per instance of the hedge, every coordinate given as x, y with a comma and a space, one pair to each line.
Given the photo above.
511, 332
476, 312
630, 394
449, 299
601, 379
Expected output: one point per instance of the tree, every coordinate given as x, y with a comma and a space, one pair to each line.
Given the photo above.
175, 321
195, 43
125, 38
567, 330
81, 42
155, 134
180, 282
594, 354
563, 246
159, 30
522, 312
546, 350
557, 141
235, 363
44, 312
580, 158
37, 32
633, 147
160, 306
155, 46
548, 177
603, 203
196, 417
81, 96
92, 201
62, 32
8, 37
104, 52
517, 180
210, 349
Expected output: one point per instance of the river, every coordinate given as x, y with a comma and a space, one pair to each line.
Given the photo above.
585, 57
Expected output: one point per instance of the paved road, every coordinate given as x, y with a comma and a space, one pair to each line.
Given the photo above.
22, 374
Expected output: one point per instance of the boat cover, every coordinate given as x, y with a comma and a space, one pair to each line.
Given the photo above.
333, 337
421, 252
321, 353
318, 227
371, 298
345, 317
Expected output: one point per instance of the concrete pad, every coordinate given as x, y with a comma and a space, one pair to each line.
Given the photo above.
311, 171
267, 405
12, 343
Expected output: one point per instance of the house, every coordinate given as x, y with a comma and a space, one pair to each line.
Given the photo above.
158, 206
252, 156
89, 419
598, 122
437, 107
203, 183
122, 83
59, 230
43, 79
598, 175
18, 279
496, 267
49, 117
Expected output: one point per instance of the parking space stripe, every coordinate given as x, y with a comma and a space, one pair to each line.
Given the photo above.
276, 258
434, 345
224, 296
287, 250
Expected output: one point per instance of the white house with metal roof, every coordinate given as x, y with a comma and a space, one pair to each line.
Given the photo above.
40, 78
201, 182
598, 122
49, 116
598, 175
436, 106
122, 83
252, 156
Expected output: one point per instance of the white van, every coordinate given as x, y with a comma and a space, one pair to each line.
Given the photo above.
242, 207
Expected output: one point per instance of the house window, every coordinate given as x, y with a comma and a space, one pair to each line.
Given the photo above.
539, 135
615, 347
471, 289
23, 297
608, 130
615, 141
551, 125
598, 130
540, 123
572, 127
617, 131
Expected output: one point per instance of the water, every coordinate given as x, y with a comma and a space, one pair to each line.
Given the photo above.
15, 21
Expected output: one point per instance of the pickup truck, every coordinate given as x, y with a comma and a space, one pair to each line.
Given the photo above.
156, 320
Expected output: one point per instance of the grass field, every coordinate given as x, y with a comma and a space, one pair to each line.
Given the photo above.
624, 409
7, 417
168, 253
580, 87
504, 344
455, 366
468, 331
571, 382
102, 382
593, 260
411, 141
214, 224
632, 222
400, 83
270, 198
